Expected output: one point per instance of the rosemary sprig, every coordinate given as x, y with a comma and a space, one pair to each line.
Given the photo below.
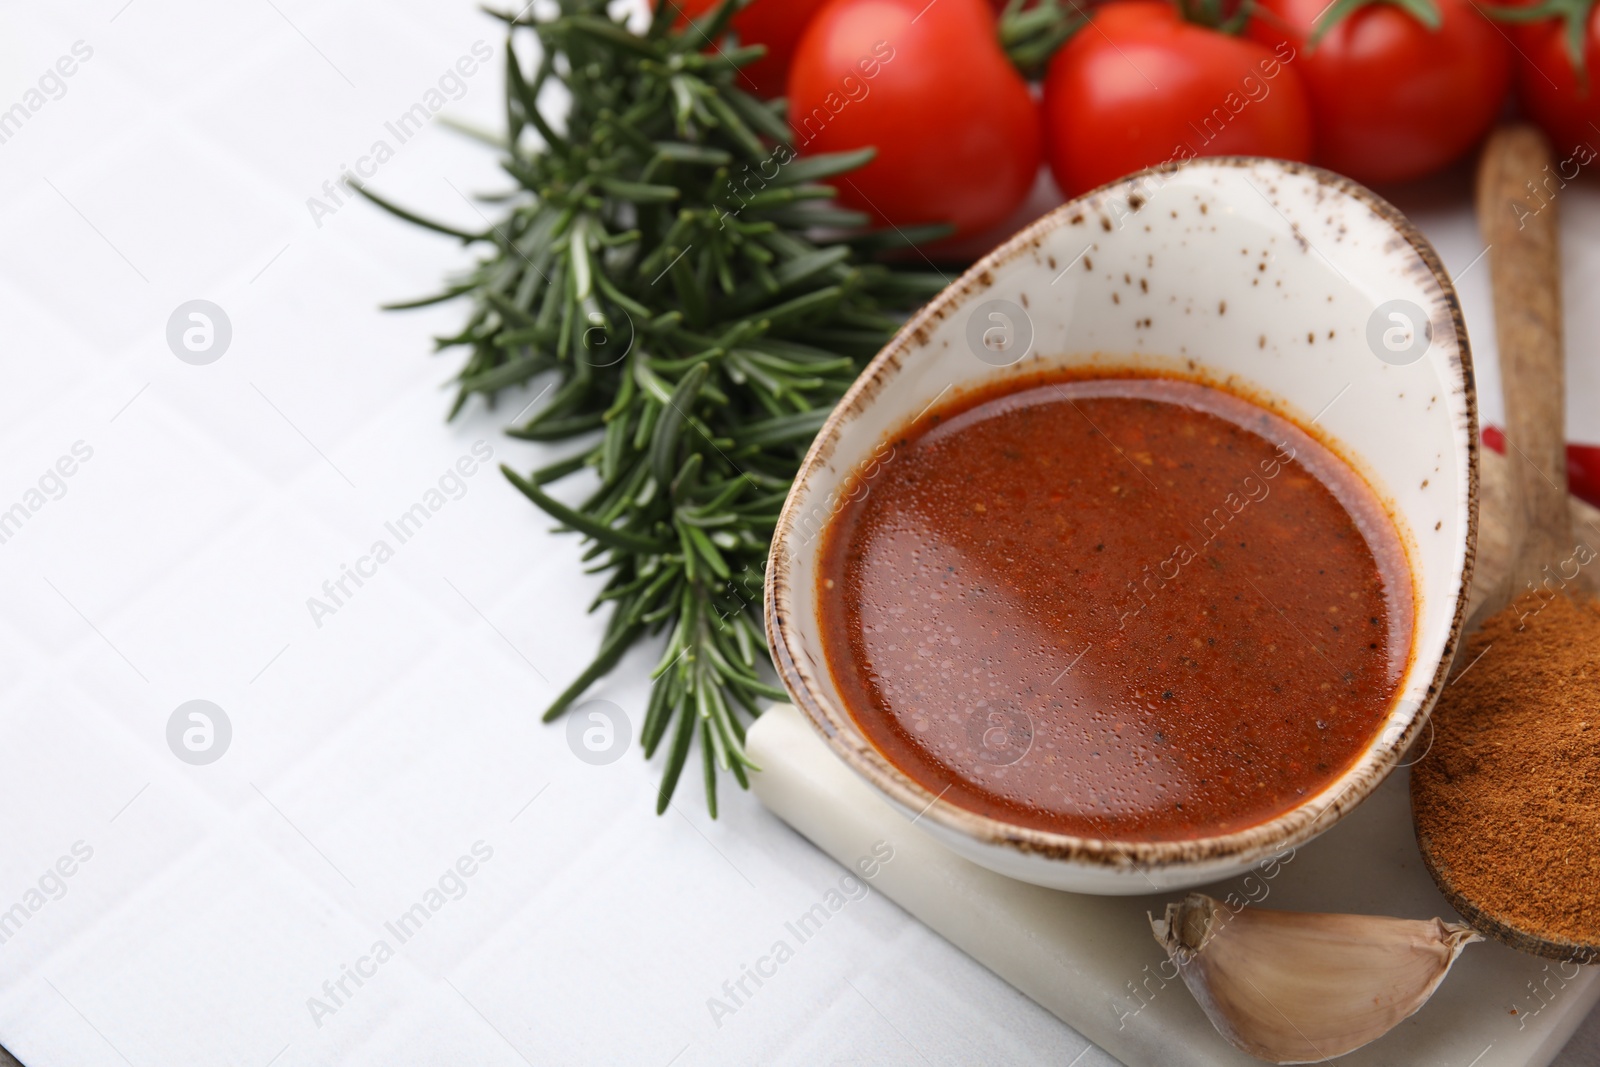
659, 259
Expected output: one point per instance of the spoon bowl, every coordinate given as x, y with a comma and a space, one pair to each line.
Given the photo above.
1524, 260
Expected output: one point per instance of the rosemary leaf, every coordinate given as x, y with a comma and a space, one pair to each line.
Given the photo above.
698, 329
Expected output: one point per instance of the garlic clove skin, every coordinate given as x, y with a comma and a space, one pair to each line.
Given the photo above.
1303, 987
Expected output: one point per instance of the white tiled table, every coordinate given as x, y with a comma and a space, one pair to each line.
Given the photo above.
373, 751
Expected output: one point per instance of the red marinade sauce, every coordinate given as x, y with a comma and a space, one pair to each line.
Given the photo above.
1133, 608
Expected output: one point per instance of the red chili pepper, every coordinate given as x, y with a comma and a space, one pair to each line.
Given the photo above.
1583, 465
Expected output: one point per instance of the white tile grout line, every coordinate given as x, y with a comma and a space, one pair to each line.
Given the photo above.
485, 1019
97, 232
310, 42
302, 434
85, 1018
885, 1018
302, 834
97, 630
497, 630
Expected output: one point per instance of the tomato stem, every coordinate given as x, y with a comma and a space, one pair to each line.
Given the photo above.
1031, 35
1216, 14
1424, 11
1574, 15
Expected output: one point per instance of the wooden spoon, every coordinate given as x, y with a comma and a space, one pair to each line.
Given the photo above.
1524, 260
1525, 265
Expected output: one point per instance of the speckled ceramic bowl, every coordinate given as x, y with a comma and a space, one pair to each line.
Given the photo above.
1281, 280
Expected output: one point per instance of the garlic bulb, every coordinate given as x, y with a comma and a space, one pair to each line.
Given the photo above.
1300, 987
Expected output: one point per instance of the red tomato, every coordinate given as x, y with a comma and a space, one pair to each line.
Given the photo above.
1565, 105
1140, 86
774, 23
1392, 99
956, 129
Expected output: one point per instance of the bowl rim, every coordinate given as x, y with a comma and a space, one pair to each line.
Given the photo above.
1289, 828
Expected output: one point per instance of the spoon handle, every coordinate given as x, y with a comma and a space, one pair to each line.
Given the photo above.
1518, 187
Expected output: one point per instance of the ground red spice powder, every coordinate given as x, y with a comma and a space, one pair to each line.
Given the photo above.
1509, 794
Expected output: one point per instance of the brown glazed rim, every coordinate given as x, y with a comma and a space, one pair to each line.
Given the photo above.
839, 729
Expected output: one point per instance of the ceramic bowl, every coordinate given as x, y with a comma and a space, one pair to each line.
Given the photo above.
1282, 280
